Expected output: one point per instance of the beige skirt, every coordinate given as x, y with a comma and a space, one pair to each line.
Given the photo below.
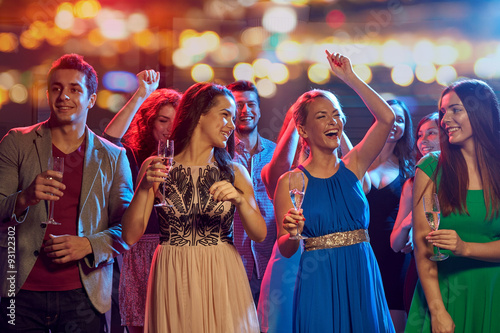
199, 289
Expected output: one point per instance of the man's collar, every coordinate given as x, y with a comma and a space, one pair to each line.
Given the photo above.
241, 145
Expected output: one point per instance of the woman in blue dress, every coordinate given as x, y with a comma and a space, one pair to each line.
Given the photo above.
339, 288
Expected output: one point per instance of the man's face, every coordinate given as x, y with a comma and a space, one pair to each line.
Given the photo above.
248, 111
68, 97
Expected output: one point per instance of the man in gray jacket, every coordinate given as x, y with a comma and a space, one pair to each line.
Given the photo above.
59, 277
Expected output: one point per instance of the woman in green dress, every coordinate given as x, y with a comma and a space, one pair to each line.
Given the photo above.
461, 293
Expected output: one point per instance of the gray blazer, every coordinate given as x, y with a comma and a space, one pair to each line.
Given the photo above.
106, 193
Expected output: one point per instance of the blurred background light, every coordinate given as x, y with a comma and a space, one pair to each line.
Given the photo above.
425, 73
319, 73
402, 75
8, 42
243, 71
261, 67
120, 81
6, 80
278, 73
289, 52
445, 55
266, 88
279, 19
116, 102
87, 9
181, 58
487, 68
64, 19
446, 75
364, 72
254, 36
18, 94
102, 98
137, 22
423, 52
335, 18
202, 73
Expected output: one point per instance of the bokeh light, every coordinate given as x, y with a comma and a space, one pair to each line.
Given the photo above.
487, 68
243, 71
182, 59
319, 73
202, 73
402, 75
279, 19
261, 67
445, 55
425, 73
120, 81
446, 75
64, 19
87, 9
423, 52
289, 52
335, 18
266, 88
18, 94
254, 36
364, 72
137, 22
278, 73
102, 98
116, 102
8, 42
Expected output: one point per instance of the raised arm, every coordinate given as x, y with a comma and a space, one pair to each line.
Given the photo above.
362, 155
148, 82
404, 220
441, 321
282, 159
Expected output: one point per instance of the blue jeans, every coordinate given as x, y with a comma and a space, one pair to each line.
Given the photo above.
57, 311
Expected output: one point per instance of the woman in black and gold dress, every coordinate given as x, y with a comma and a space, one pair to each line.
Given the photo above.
197, 281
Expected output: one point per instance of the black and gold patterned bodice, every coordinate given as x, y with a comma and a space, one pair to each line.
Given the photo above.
194, 218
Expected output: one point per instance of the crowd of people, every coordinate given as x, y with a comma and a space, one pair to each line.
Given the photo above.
221, 254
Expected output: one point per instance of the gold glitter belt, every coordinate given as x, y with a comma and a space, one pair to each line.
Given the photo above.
337, 239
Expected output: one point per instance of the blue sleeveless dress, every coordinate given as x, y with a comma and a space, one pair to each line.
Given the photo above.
338, 289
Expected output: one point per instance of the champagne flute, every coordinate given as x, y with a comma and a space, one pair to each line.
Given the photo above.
166, 151
296, 186
433, 215
56, 164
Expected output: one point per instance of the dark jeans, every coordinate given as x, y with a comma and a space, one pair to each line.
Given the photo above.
41, 311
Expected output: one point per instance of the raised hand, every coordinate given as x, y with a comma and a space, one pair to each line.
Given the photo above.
293, 221
340, 65
148, 82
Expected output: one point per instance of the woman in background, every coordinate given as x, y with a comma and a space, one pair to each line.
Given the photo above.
387, 174
427, 141
197, 281
461, 293
149, 117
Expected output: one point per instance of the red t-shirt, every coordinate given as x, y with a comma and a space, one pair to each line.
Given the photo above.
45, 275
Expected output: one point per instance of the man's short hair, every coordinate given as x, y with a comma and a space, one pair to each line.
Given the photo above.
243, 85
75, 61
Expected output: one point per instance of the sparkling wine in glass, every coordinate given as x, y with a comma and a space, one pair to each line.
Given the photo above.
296, 187
166, 152
433, 215
56, 164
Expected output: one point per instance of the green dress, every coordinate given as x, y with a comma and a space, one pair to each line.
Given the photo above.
470, 288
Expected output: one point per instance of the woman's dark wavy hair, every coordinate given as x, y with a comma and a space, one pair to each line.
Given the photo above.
139, 136
481, 105
404, 149
430, 117
195, 102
